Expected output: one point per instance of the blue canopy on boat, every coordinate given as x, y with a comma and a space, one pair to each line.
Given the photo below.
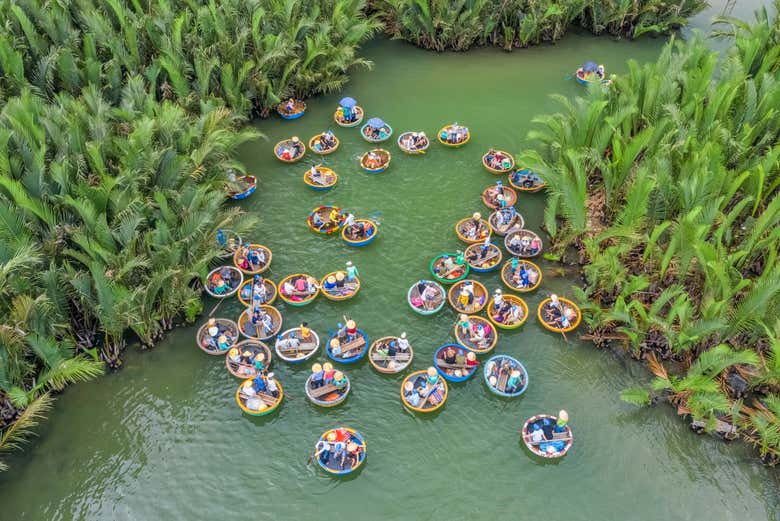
348, 102
590, 67
376, 123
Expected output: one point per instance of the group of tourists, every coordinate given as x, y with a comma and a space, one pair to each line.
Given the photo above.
260, 392
478, 333
324, 142
475, 228
249, 258
223, 281
290, 149
503, 375
505, 311
299, 288
218, 337
556, 312
358, 230
455, 134
457, 361
523, 275
425, 389
334, 220
524, 244
498, 160
414, 141
339, 449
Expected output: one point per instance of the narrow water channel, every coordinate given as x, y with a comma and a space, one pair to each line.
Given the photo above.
164, 439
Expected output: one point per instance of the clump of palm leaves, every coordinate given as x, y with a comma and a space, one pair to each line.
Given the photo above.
667, 187
460, 24
246, 54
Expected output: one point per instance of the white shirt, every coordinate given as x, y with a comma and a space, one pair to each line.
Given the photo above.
349, 221
403, 344
272, 387
537, 436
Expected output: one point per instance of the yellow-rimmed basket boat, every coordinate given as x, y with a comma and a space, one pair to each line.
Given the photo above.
208, 343
296, 111
546, 313
299, 298
247, 296
339, 288
514, 317
431, 397
361, 233
316, 145
389, 359
526, 180
468, 296
504, 220
505, 159
290, 150
516, 279
458, 141
367, 163
242, 258
327, 178
258, 404
243, 365
524, 243
472, 231
491, 193
264, 329
465, 334
338, 117
483, 258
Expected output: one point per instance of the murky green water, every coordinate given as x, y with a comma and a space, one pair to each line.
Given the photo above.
164, 439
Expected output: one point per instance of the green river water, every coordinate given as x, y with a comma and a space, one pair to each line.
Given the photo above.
163, 439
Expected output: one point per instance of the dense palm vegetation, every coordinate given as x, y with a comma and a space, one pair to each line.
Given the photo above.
666, 188
117, 122
460, 24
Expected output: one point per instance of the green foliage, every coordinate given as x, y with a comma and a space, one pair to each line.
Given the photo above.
679, 221
636, 396
460, 24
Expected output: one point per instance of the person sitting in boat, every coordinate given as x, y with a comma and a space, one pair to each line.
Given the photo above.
354, 451
403, 343
334, 217
471, 360
288, 343
430, 294
453, 135
330, 284
465, 324
411, 395
289, 106
340, 380
328, 140
324, 448
347, 115
498, 299
351, 330
449, 355
317, 376
256, 257
234, 356
317, 221
220, 287
515, 382
537, 435
301, 286
260, 291
563, 419
259, 384
328, 373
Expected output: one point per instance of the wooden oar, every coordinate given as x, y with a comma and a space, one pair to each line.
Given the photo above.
214, 309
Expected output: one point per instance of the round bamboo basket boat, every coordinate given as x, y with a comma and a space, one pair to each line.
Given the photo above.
504, 169
250, 182
425, 407
459, 144
241, 400
515, 301
483, 231
290, 299
416, 151
370, 227
288, 143
534, 282
517, 180
490, 196
242, 369
236, 279
328, 175
296, 355
246, 291
490, 340
483, 263
384, 156
457, 372
501, 230
389, 364
331, 399
331, 467
324, 214
315, 140
479, 301
387, 135
437, 265
349, 290
255, 270
224, 325
519, 250
339, 119
256, 331
415, 301
567, 304
537, 448
499, 362
299, 109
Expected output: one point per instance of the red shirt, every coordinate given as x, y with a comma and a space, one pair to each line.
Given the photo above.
342, 435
